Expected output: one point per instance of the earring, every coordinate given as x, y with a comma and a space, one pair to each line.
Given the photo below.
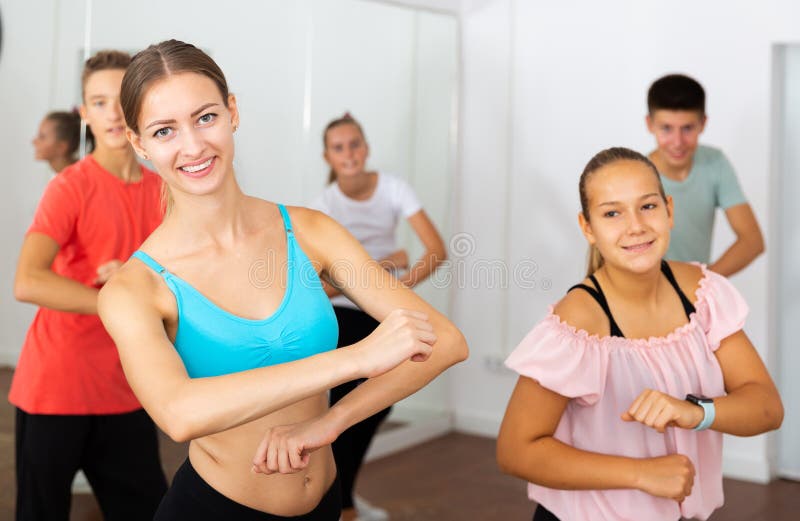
235, 127
145, 157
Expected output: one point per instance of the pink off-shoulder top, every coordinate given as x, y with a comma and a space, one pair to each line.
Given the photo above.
603, 375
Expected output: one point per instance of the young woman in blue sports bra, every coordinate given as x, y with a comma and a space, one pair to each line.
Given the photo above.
224, 331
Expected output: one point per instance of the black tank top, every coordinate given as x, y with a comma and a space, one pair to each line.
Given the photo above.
600, 297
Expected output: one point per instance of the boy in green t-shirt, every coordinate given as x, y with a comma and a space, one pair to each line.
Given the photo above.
699, 178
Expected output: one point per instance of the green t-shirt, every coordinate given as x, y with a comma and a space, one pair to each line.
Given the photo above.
711, 184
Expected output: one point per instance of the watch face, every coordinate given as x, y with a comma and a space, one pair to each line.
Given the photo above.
699, 398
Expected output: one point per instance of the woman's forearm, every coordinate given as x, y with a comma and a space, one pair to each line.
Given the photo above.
738, 256
201, 406
553, 464
748, 410
47, 289
423, 268
378, 393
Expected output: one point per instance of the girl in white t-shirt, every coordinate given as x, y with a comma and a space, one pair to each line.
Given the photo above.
369, 204
58, 139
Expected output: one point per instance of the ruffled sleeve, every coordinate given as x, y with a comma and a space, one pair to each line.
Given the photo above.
720, 308
565, 360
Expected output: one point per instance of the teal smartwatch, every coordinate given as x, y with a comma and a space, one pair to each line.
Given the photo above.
709, 412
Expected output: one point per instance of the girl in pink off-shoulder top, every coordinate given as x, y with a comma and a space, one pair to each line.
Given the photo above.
628, 383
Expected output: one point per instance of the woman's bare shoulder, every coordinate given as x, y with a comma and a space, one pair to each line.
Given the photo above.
688, 276
135, 283
580, 310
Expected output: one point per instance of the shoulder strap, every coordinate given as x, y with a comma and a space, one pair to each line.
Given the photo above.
598, 295
590, 290
688, 307
151, 263
287, 221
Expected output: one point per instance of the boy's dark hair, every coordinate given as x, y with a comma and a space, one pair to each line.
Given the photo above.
676, 92
103, 61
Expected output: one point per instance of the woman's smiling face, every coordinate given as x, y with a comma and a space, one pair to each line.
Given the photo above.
186, 130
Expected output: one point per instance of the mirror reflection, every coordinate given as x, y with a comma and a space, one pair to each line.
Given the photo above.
392, 70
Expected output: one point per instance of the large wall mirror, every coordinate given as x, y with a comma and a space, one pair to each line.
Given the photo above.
294, 66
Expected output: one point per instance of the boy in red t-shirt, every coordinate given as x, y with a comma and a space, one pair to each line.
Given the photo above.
75, 409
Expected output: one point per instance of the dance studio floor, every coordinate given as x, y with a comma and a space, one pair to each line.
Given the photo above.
452, 478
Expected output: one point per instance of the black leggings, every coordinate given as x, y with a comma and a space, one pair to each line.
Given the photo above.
351, 446
117, 452
542, 514
190, 497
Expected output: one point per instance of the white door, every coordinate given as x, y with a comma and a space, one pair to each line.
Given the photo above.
787, 249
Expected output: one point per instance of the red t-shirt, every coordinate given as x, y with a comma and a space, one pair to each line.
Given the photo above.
69, 364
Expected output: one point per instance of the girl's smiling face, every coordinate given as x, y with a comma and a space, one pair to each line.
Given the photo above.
629, 219
346, 150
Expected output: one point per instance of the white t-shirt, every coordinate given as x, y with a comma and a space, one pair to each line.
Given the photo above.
372, 221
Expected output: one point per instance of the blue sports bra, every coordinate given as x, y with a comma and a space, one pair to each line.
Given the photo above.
213, 342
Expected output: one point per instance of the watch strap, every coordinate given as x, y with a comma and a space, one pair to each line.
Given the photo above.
709, 413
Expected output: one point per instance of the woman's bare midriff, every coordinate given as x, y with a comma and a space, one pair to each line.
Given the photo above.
224, 461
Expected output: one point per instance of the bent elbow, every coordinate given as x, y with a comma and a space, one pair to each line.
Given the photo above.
771, 417
778, 421
463, 349
756, 244
506, 462
177, 432
180, 428
176, 423
459, 351
22, 289
776, 416
440, 255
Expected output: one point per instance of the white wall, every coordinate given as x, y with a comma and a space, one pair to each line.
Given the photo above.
547, 85
451, 7
482, 194
25, 60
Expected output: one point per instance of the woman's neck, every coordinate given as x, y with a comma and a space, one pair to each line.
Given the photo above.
60, 163
216, 218
633, 287
121, 163
360, 186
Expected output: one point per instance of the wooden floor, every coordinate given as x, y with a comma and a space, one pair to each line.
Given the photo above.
452, 478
